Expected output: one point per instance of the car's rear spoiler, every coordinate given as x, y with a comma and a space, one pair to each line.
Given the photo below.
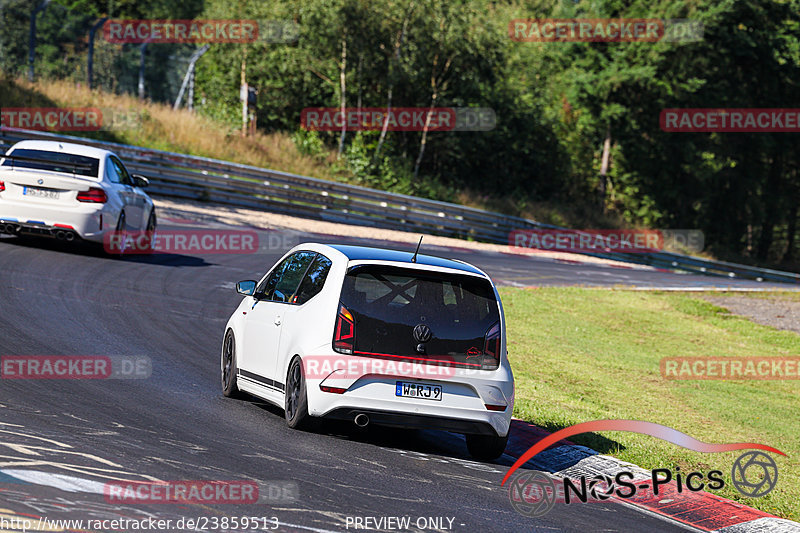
73, 166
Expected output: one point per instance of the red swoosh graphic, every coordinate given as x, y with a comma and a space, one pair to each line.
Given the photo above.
635, 426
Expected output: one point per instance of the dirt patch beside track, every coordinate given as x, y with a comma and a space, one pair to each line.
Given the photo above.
778, 312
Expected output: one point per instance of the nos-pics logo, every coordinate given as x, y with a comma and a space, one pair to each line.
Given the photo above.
533, 493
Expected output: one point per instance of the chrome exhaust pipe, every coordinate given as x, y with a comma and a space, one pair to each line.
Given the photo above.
60, 235
361, 420
69, 236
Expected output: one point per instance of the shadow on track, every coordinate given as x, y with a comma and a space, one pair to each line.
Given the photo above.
95, 250
424, 444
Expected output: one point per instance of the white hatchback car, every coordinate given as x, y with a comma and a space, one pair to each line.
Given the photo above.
375, 336
65, 191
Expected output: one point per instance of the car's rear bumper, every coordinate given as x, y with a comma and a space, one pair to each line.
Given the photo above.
400, 412
415, 421
470, 402
13, 227
87, 222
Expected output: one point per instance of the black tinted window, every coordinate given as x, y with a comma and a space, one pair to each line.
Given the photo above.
388, 302
291, 276
266, 287
314, 280
111, 172
121, 171
55, 162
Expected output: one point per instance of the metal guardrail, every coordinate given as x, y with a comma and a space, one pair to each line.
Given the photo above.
200, 178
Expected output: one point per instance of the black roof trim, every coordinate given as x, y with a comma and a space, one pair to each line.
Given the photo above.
365, 253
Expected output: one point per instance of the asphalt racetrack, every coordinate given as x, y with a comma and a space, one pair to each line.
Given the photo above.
63, 439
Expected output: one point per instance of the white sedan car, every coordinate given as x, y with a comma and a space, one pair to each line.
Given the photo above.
65, 191
375, 336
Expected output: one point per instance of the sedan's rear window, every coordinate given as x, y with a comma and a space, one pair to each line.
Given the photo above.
388, 303
53, 161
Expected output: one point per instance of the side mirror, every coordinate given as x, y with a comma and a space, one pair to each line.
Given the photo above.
140, 181
247, 287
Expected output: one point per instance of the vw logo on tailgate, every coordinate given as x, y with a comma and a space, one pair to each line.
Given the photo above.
422, 333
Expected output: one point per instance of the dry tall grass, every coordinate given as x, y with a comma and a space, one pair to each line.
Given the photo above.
179, 131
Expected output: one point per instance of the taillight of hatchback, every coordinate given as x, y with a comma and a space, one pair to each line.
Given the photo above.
94, 195
2, 186
491, 348
344, 334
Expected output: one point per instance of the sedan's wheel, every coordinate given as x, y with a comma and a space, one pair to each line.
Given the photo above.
296, 399
151, 232
121, 234
486, 447
228, 367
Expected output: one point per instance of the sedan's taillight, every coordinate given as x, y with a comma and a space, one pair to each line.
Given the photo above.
95, 195
345, 332
491, 348
2, 186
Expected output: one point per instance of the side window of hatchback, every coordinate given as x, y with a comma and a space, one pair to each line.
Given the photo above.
293, 274
314, 280
265, 288
281, 284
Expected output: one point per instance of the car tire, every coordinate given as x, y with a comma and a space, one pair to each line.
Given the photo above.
486, 447
151, 232
121, 229
230, 387
296, 399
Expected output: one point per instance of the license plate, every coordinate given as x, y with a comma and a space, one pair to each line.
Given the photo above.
40, 193
426, 391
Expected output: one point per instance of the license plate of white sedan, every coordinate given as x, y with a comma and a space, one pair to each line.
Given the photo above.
426, 391
40, 193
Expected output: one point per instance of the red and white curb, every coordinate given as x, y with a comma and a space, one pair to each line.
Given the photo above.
701, 510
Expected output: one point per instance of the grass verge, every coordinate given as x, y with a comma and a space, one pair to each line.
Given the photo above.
584, 354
